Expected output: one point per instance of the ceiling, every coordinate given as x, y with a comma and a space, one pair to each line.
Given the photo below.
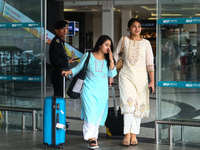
138, 7
145, 9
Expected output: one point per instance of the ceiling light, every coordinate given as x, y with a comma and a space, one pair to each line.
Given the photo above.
152, 14
147, 8
80, 10
193, 8
70, 9
94, 10
151, 18
115, 9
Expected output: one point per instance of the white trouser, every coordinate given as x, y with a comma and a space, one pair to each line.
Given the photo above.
91, 131
131, 124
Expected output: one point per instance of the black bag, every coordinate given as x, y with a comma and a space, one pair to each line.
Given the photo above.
114, 122
76, 85
114, 125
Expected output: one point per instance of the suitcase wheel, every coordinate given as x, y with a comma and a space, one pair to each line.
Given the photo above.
61, 146
45, 145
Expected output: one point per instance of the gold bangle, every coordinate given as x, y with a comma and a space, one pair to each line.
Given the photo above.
112, 61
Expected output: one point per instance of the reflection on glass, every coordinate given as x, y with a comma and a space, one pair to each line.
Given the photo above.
178, 54
20, 52
20, 58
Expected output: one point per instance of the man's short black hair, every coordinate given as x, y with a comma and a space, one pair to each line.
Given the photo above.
60, 24
188, 40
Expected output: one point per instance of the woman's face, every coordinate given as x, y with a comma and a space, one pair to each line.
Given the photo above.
105, 47
135, 28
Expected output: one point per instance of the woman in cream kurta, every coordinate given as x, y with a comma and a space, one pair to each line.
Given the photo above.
133, 80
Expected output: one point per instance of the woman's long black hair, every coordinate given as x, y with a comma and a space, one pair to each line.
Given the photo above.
99, 42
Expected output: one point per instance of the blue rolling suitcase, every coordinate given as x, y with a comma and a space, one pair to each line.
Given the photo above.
54, 121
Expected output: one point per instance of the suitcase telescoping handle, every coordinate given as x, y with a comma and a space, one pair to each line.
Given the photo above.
57, 120
114, 100
64, 86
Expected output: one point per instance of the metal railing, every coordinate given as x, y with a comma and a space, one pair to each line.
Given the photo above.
23, 110
171, 123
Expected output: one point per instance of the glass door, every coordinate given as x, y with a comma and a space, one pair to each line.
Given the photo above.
178, 63
21, 58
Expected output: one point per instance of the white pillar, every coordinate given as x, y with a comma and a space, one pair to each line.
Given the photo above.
108, 19
126, 16
198, 42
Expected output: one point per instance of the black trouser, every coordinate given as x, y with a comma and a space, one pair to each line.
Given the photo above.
57, 81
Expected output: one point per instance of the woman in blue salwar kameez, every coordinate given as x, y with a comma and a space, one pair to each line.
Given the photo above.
94, 96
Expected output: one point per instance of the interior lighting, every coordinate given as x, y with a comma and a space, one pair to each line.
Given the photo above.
147, 8
183, 8
193, 8
94, 10
70, 9
152, 14
116, 9
152, 18
80, 10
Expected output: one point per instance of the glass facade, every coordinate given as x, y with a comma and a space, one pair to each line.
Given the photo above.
21, 57
177, 69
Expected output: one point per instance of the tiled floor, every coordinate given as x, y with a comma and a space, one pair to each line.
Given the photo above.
29, 140
33, 141
15, 139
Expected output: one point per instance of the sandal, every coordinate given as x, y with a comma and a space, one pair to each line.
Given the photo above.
134, 141
91, 146
126, 142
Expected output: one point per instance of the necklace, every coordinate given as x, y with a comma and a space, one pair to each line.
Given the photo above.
134, 40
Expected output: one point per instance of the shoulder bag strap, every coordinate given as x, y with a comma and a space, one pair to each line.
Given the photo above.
122, 45
120, 54
87, 61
